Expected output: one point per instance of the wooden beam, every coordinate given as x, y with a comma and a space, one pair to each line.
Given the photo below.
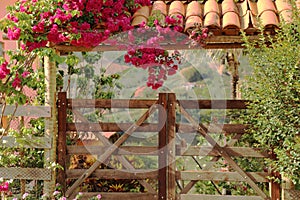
217, 197
109, 127
121, 195
30, 111
171, 142
214, 42
162, 146
213, 128
62, 139
210, 151
114, 174
110, 103
26, 173
220, 176
152, 127
213, 104
123, 150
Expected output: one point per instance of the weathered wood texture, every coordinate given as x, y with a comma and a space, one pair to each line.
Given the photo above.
216, 42
180, 151
221, 176
114, 174
217, 197
62, 139
171, 150
121, 195
162, 144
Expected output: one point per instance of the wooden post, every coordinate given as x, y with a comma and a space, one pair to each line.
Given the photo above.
50, 123
162, 144
62, 145
171, 120
275, 187
167, 119
233, 68
275, 190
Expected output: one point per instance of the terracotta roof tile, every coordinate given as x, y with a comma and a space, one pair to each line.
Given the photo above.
225, 18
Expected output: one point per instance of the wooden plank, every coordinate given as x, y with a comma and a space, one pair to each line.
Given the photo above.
221, 176
121, 195
25, 173
114, 174
62, 139
152, 150
162, 144
171, 150
213, 104
232, 151
109, 127
152, 127
213, 128
123, 150
26, 142
103, 157
217, 197
110, 103
214, 42
27, 110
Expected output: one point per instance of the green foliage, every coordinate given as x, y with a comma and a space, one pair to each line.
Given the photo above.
274, 89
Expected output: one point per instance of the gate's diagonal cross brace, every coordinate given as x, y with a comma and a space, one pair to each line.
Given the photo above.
189, 186
223, 152
111, 149
122, 159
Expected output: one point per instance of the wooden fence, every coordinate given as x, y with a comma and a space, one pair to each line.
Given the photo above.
44, 174
169, 182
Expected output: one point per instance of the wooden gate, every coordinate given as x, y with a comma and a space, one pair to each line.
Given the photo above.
166, 181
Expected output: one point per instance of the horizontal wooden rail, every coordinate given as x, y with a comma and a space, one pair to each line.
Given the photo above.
121, 195
109, 127
217, 197
213, 128
26, 142
220, 176
26, 173
28, 111
138, 103
152, 127
213, 104
114, 174
123, 150
233, 151
214, 42
180, 151
109, 103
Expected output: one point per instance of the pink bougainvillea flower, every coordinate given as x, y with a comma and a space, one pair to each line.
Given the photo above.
4, 187
4, 71
16, 82
25, 74
13, 33
85, 26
